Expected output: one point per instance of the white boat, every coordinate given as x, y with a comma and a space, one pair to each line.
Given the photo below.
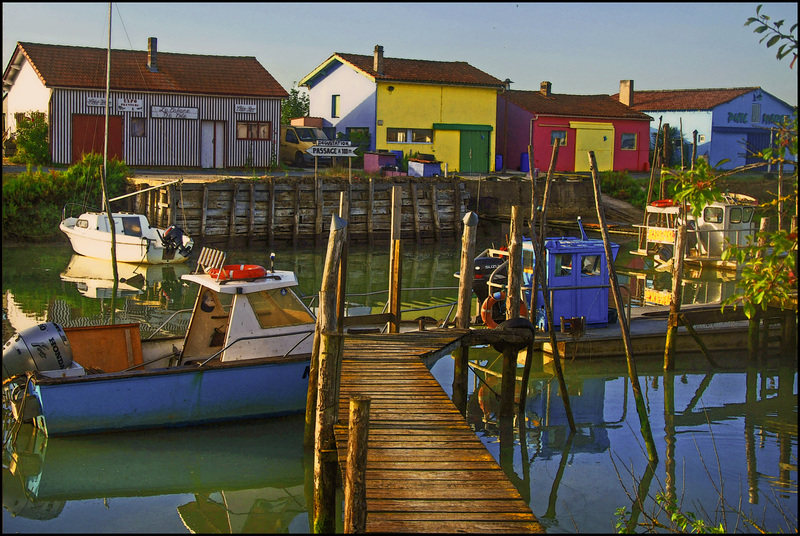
136, 240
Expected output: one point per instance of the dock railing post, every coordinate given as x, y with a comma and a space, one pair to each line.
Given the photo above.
355, 484
514, 264
641, 408
462, 320
327, 400
675, 299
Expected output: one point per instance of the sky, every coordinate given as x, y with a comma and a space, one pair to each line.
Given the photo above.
581, 48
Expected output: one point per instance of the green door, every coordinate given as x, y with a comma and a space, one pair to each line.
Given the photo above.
474, 151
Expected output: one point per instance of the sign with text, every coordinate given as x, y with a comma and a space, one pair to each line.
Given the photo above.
246, 108
334, 143
327, 150
174, 112
95, 101
127, 104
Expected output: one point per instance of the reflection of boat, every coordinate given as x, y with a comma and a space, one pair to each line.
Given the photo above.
256, 467
136, 241
245, 355
577, 278
94, 278
721, 222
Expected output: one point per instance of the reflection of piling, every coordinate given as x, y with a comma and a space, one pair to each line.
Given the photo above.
641, 408
669, 433
675, 299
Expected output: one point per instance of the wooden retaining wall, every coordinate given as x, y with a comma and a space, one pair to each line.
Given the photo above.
297, 208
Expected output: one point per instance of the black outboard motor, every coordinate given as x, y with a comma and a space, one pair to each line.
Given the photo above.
173, 240
484, 267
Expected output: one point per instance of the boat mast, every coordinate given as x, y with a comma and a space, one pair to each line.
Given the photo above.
106, 203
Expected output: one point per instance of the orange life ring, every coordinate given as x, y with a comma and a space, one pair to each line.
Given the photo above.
488, 303
662, 203
238, 271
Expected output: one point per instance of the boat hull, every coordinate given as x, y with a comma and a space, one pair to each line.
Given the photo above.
179, 396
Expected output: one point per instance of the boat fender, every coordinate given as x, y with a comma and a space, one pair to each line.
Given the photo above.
38, 348
514, 323
232, 272
489, 303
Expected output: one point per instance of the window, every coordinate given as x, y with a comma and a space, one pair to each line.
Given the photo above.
628, 142
137, 127
563, 264
590, 265
335, 100
397, 135
422, 135
358, 131
558, 134
291, 137
252, 131
403, 135
278, 307
131, 226
756, 113
712, 214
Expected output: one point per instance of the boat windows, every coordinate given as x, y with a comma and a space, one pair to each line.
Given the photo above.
590, 265
563, 264
83, 224
713, 214
527, 261
741, 214
278, 307
132, 226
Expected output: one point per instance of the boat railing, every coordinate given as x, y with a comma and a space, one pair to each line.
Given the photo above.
261, 337
82, 208
167, 321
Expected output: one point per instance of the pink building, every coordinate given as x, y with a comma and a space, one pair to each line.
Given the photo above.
618, 134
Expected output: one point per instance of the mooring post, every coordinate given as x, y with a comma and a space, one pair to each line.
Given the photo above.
514, 264
395, 287
326, 320
464, 310
355, 483
341, 293
641, 408
675, 298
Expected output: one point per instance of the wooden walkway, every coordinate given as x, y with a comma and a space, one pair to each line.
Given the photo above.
427, 471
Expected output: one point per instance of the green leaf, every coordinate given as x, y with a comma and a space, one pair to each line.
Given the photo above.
773, 40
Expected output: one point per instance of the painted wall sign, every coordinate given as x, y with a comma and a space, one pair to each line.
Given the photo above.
126, 104
246, 108
95, 101
772, 118
737, 117
174, 112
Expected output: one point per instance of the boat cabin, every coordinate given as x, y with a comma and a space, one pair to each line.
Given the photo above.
128, 224
270, 319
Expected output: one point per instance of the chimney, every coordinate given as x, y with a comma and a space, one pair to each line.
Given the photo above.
378, 63
152, 53
545, 89
626, 92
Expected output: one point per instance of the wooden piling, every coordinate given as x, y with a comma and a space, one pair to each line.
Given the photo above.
355, 484
437, 227
232, 209
463, 313
271, 210
395, 289
415, 204
251, 224
514, 264
641, 408
204, 212
675, 298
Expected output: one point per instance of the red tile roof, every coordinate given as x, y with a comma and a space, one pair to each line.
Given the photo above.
85, 68
439, 72
686, 99
574, 105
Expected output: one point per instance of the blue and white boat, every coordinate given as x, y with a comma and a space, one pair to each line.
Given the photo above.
577, 280
246, 354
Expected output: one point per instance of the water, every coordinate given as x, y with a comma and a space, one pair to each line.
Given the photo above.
732, 430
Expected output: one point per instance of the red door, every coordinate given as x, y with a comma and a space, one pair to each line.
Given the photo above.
88, 135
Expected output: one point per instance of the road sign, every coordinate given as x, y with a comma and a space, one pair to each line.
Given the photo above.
334, 143
322, 150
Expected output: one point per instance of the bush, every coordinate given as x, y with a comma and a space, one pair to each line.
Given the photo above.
620, 185
31, 139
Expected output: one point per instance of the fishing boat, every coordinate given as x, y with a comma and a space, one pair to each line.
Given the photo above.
577, 281
246, 354
135, 240
729, 221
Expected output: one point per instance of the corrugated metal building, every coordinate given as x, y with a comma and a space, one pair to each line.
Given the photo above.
165, 109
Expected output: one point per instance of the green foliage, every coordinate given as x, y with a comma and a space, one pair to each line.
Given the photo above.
686, 522
773, 34
31, 139
33, 200
361, 140
297, 105
620, 185
697, 186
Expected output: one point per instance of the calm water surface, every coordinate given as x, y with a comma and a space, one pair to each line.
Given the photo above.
730, 433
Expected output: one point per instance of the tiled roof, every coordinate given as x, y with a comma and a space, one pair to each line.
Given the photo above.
85, 68
574, 105
686, 99
440, 72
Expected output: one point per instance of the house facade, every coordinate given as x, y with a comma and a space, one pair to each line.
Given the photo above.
165, 109
444, 109
732, 124
616, 133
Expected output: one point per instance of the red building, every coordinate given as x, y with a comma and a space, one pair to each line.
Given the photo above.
618, 134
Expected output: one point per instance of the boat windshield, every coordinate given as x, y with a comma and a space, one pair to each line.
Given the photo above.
278, 307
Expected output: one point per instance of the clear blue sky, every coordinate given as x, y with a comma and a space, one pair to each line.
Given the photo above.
582, 48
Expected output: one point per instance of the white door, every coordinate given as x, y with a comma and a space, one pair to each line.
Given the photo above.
212, 150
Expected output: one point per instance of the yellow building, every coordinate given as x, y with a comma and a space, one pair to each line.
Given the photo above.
444, 109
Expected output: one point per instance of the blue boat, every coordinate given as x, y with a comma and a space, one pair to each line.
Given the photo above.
577, 278
246, 354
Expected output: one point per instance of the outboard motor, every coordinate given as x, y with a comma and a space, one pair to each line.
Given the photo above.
484, 267
173, 240
40, 348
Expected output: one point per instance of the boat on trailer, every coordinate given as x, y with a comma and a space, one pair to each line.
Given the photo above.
729, 221
577, 281
246, 354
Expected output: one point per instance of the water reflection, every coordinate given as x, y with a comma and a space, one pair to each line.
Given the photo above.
245, 477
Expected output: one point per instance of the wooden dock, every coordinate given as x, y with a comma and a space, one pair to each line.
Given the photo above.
427, 471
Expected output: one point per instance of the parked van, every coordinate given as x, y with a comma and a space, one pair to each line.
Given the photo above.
294, 142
